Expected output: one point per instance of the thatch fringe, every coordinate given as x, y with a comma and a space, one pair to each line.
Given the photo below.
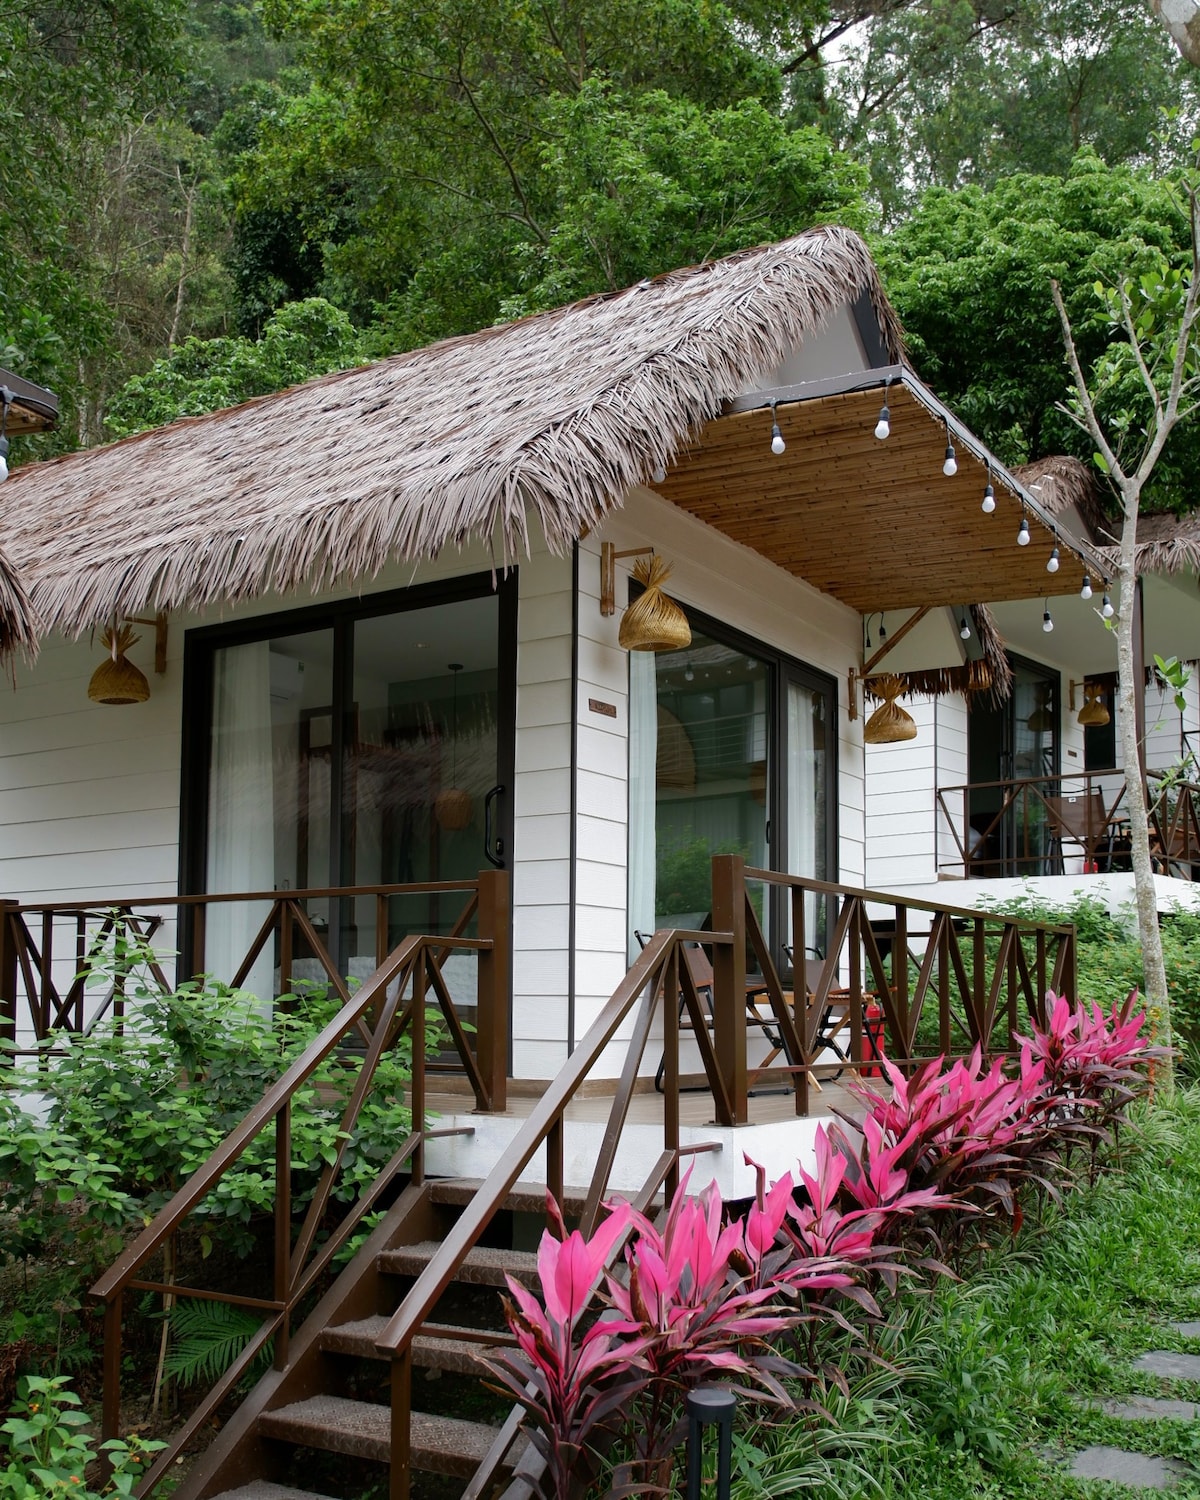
554, 417
1059, 481
18, 633
1168, 543
990, 676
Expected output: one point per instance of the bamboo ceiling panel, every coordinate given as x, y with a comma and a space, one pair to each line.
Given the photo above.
875, 524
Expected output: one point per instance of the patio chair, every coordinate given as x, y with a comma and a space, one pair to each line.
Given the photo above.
1080, 818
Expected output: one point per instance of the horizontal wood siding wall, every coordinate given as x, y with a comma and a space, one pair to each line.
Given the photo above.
902, 827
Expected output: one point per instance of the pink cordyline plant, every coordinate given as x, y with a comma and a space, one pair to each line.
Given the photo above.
571, 1382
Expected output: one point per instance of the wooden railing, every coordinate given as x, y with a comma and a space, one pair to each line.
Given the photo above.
944, 979
63, 966
980, 975
1032, 826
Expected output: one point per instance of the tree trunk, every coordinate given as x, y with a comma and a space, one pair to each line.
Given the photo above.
1157, 1001
1182, 20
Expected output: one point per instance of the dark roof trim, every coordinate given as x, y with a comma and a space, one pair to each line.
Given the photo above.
870, 333
35, 399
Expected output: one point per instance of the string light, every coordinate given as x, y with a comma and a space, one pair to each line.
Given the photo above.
964, 629
1023, 531
882, 629
1106, 608
1086, 591
989, 494
658, 475
950, 467
777, 442
884, 426
1047, 622
1052, 562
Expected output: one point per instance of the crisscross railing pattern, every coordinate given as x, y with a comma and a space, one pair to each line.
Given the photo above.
391, 1005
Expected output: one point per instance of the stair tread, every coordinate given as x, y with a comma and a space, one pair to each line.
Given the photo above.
263, 1489
452, 1348
483, 1265
445, 1445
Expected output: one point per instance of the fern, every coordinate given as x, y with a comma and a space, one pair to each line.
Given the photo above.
206, 1339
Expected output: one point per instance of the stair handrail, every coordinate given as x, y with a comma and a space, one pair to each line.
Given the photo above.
546, 1116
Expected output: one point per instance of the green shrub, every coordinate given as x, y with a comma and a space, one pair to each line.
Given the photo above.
48, 1453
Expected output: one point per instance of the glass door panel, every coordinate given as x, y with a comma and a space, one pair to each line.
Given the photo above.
269, 789
807, 760
422, 747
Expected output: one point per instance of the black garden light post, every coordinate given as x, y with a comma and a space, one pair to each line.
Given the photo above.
705, 1405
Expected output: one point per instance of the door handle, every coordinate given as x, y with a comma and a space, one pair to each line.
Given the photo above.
493, 849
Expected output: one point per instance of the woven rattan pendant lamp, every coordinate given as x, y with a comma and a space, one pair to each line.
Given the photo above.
653, 622
1094, 714
889, 724
116, 680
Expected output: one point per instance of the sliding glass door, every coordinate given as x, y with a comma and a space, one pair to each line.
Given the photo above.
365, 745
731, 751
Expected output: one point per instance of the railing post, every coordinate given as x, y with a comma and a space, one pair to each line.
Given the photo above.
491, 1017
400, 1468
729, 979
417, 1089
110, 1410
8, 977
283, 1227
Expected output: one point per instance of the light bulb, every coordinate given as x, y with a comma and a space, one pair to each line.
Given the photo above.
1106, 609
989, 499
3, 458
777, 442
1086, 591
950, 467
882, 630
1052, 564
884, 426
964, 629
1023, 533
688, 675
1047, 622
659, 474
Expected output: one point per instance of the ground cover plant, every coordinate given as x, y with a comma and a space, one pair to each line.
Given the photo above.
806, 1286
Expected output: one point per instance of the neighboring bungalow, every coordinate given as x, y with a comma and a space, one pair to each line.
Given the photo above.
24, 407
386, 609
1024, 792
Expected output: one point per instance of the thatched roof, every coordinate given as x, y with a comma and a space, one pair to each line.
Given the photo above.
555, 416
990, 673
17, 633
1167, 543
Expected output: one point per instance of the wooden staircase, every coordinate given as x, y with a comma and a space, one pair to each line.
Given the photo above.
334, 1396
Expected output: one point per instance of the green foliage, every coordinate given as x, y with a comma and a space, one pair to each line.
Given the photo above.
48, 1449
206, 1339
301, 340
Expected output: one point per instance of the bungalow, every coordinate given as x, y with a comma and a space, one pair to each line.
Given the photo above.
363, 706
1025, 792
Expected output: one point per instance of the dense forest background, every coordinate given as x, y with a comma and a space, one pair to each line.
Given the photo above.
202, 200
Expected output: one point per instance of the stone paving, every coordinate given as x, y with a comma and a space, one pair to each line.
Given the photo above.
1141, 1470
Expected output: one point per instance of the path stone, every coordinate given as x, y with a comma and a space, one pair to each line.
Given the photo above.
1137, 1469
1149, 1409
1169, 1366
1189, 1330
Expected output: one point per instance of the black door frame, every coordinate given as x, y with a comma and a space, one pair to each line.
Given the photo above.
202, 643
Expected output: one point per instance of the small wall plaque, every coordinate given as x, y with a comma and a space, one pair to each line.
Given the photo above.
609, 710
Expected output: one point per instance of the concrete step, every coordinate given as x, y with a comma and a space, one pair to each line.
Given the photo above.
1138, 1470
440, 1445
483, 1266
524, 1197
445, 1347
1168, 1365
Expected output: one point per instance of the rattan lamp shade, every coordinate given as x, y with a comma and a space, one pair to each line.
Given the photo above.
116, 680
889, 724
1094, 714
653, 622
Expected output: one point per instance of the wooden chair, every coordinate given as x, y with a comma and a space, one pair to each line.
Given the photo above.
1080, 818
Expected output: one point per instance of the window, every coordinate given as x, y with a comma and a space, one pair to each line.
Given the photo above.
732, 750
353, 745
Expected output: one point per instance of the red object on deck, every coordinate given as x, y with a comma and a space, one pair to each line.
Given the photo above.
873, 1038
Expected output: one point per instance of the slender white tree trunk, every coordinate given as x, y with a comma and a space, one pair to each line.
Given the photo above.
1182, 20
1131, 684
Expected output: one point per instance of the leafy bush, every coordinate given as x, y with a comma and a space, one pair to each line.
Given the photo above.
48, 1453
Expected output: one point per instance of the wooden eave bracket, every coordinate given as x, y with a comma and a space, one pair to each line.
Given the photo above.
859, 677
608, 573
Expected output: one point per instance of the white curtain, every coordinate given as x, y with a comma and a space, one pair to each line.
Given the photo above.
802, 790
643, 774
241, 814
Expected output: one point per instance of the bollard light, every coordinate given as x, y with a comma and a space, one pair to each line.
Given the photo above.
705, 1405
